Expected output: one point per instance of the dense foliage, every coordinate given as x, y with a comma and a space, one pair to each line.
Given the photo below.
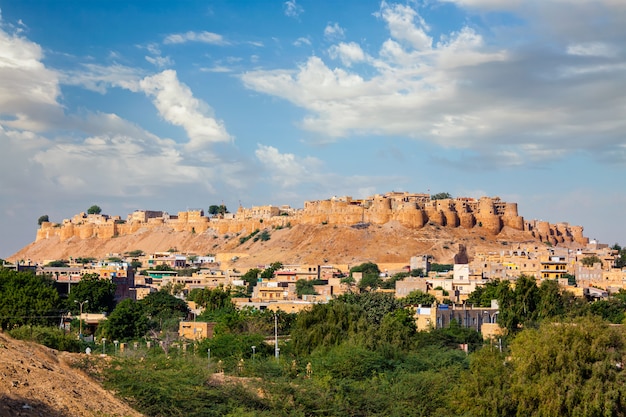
27, 299
99, 294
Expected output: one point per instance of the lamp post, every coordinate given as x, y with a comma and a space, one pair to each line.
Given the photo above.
80, 318
104, 343
115, 342
276, 349
209, 356
253, 352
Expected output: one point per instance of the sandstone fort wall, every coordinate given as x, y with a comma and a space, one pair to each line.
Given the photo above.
411, 210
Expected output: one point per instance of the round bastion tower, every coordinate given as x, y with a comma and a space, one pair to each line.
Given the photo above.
487, 217
511, 218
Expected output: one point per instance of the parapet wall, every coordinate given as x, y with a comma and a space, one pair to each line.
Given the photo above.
411, 210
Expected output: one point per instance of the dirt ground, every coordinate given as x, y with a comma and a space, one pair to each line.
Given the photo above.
38, 381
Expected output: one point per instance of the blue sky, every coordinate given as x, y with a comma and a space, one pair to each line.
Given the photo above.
167, 105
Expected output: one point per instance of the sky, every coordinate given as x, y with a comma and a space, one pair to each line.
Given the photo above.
172, 105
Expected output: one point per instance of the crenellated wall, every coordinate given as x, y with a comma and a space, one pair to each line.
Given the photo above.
411, 210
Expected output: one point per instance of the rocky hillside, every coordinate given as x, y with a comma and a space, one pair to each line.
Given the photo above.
38, 381
316, 244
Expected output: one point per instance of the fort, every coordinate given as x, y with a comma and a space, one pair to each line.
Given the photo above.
409, 209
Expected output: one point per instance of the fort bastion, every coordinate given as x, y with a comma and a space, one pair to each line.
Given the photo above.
411, 210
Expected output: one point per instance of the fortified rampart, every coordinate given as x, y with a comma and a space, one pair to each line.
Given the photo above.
411, 210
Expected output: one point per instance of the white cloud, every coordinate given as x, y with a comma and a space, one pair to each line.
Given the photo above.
203, 37
406, 25
177, 105
302, 41
598, 49
348, 53
160, 61
285, 169
519, 105
333, 31
28, 90
292, 8
288, 171
98, 78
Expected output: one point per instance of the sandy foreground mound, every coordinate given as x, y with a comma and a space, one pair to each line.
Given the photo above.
38, 381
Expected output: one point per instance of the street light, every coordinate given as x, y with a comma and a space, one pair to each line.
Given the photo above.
104, 343
253, 352
115, 342
80, 318
209, 356
276, 349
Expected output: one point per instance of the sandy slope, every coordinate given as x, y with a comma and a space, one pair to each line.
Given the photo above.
301, 244
38, 381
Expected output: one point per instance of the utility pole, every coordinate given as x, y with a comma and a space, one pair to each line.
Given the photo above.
80, 318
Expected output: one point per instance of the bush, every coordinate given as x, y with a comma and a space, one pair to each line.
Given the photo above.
51, 337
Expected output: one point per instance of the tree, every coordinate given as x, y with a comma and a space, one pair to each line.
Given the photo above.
127, 321
59, 263
419, 272
94, 210
482, 296
374, 304
441, 267
268, 272
441, 196
571, 368
100, 294
327, 325
305, 287
42, 219
417, 297
519, 307
251, 277
27, 299
214, 209
620, 262
588, 261
370, 278
162, 305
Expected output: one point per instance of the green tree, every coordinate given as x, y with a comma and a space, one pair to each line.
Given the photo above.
418, 272
588, 261
519, 306
305, 287
42, 219
161, 305
441, 196
251, 277
417, 297
375, 305
100, 294
493, 290
126, 322
571, 368
390, 283
620, 262
327, 325
370, 278
60, 263
94, 210
211, 298
27, 299
441, 267
268, 272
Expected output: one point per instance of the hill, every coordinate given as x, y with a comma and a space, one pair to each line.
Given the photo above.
300, 244
38, 381
388, 228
